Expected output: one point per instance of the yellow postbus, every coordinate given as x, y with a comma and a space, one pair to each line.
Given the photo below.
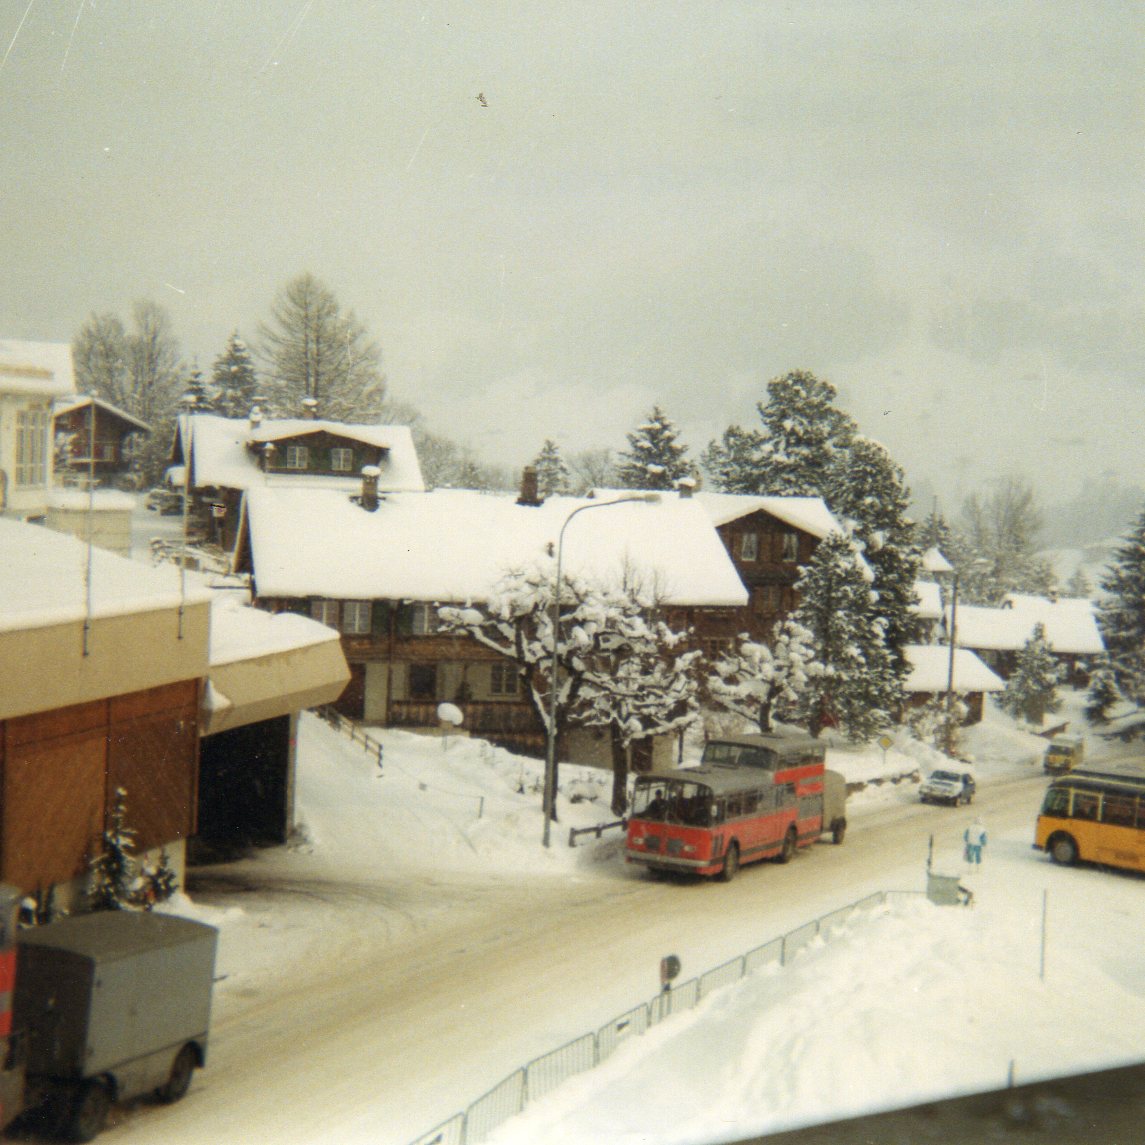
1095, 817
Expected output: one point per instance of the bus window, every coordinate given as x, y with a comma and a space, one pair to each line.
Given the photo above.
735, 806
649, 801
1120, 810
787, 795
692, 805
1057, 803
1084, 805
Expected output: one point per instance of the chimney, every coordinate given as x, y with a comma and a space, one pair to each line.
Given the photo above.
529, 495
255, 417
309, 408
370, 475
686, 487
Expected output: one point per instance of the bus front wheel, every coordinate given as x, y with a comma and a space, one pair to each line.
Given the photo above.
731, 863
1063, 850
788, 851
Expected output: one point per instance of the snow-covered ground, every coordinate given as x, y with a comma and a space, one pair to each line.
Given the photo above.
911, 1002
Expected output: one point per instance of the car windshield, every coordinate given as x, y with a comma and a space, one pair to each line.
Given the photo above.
946, 776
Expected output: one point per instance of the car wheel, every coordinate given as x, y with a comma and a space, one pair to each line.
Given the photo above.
731, 863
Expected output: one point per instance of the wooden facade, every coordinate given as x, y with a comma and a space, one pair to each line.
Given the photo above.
106, 450
60, 769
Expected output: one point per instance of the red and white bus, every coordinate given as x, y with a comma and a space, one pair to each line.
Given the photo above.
751, 798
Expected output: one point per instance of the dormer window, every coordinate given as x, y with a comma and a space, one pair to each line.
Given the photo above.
297, 457
342, 460
791, 547
749, 547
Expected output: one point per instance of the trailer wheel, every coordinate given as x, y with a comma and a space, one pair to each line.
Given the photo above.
179, 1080
731, 862
838, 831
88, 1113
788, 851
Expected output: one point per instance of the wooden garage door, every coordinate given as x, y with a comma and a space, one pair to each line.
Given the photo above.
53, 795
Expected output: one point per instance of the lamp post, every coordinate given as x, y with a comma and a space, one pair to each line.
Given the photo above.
550, 793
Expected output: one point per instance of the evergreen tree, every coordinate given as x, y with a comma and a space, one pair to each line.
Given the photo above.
868, 490
1103, 693
235, 379
314, 349
655, 458
199, 396
1078, 584
159, 882
857, 688
1031, 690
759, 681
552, 473
1121, 615
935, 533
735, 461
113, 870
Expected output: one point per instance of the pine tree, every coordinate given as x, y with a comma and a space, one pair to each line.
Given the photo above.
1031, 690
552, 473
869, 491
1103, 694
235, 379
113, 870
159, 882
1121, 615
735, 461
857, 688
199, 396
655, 458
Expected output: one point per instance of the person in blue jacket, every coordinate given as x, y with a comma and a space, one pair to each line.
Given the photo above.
975, 838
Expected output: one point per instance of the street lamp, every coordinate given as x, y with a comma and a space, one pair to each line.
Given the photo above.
550, 794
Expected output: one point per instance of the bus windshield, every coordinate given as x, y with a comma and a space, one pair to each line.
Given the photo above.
673, 801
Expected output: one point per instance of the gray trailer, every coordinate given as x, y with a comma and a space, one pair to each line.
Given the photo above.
111, 1006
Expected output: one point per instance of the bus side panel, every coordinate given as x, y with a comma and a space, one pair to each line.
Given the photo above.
1119, 847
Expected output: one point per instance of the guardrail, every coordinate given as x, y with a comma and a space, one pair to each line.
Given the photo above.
542, 1075
576, 832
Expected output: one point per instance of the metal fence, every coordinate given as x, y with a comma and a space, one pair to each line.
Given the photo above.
542, 1075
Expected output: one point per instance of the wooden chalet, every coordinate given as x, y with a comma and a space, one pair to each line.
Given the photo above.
377, 568
225, 457
769, 540
93, 439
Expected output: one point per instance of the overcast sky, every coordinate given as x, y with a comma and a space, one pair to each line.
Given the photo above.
552, 215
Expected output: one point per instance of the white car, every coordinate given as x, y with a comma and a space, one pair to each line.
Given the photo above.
947, 786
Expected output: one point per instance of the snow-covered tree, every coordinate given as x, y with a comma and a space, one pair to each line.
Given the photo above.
113, 870
1103, 694
734, 461
235, 378
595, 628
552, 473
314, 349
761, 681
199, 395
158, 882
868, 491
803, 431
1121, 615
642, 685
655, 457
857, 688
1031, 690
939, 722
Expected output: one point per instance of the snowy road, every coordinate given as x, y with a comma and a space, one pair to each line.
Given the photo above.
459, 982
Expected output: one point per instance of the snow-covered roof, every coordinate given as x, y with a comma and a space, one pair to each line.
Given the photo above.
809, 514
80, 401
930, 670
43, 579
39, 368
95, 500
1070, 625
454, 545
218, 447
929, 604
240, 632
